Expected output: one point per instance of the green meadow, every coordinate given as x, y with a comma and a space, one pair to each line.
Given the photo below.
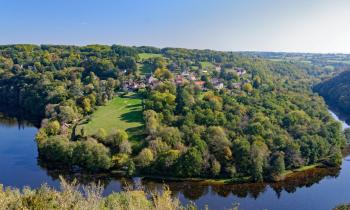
123, 113
145, 56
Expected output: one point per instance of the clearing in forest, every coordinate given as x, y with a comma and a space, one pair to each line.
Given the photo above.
123, 113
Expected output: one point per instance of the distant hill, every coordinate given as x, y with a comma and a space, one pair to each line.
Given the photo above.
336, 92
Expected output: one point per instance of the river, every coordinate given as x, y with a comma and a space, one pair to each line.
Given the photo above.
342, 121
317, 189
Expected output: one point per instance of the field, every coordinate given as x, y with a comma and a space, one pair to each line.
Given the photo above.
144, 56
120, 113
207, 65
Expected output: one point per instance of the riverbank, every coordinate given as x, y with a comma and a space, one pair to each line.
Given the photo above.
238, 180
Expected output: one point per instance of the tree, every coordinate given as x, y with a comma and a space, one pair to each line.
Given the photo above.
130, 167
259, 153
125, 147
170, 135
145, 157
52, 128
91, 156
256, 82
215, 168
86, 104
163, 74
241, 152
151, 121
101, 135
165, 162
158, 146
67, 114
127, 63
277, 163
190, 164
247, 87
218, 143
336, 156
58, 151
292, 155
41, 137
347, 134
117, 137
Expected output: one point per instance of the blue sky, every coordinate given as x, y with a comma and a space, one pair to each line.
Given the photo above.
234, 25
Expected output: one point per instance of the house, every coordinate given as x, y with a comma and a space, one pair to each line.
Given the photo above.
180, 80
240, 71
199, 84
237, 85
219, 86
217, 68
125, 87
131, 85
64, 130
214, 81
192, 77
185, 73
151, 79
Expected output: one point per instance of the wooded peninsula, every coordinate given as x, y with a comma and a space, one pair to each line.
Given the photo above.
170, 112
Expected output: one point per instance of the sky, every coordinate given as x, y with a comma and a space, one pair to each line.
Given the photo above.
228, 25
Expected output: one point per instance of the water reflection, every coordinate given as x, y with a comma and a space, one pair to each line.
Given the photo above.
193, 190
9, 122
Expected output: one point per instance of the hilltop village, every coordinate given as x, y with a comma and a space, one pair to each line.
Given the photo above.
215, 77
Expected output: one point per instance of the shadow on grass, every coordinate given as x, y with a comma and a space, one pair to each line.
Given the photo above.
130, 95
132, 117
134, 106
137, 136
136, 133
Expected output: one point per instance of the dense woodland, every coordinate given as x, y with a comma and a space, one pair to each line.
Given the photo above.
336, 92
257, 125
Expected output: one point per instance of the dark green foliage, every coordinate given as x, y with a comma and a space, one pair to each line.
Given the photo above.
277, 163
92, 156
347, 134
190, 164
336, 92
58, 151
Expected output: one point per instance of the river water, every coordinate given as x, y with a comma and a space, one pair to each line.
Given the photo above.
342, 121
317, 189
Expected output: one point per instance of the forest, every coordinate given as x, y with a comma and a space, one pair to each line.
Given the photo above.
336, 92
204, 114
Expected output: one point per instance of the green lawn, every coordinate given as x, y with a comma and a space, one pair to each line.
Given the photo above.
207, 65
194, 68
144, 56
120, 113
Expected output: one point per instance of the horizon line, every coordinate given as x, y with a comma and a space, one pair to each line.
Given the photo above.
187, 48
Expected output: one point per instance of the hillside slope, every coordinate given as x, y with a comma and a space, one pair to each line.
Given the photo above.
336, 92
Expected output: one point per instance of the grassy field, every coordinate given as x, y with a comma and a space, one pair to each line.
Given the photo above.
120, 113
207, 65
144, 56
